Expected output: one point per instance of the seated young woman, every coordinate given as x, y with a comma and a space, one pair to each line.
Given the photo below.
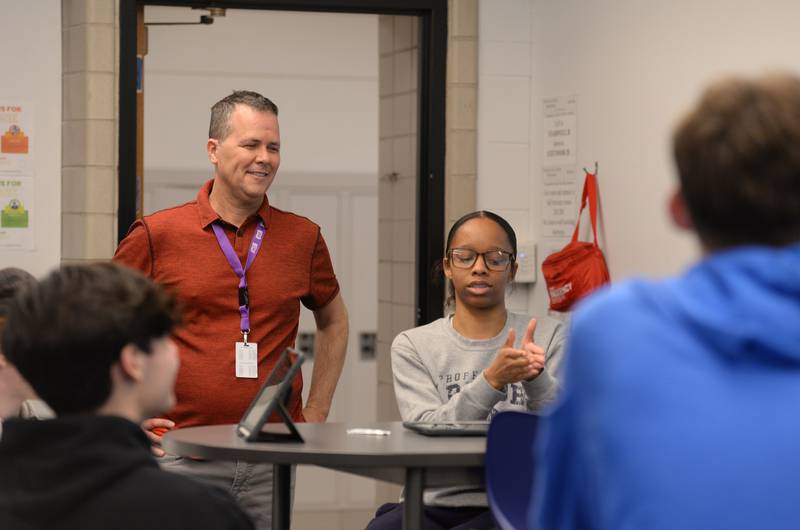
471, 364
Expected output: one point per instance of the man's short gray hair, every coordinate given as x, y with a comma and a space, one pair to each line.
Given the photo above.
222, 110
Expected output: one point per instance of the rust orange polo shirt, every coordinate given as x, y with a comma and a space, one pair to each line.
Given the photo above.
177, 248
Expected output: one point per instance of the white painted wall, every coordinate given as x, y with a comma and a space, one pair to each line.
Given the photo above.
321, 69
31, 73
635, 66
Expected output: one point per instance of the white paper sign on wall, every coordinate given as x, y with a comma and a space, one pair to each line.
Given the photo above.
559, 131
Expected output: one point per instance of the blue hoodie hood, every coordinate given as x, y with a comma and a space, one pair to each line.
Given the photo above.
743, 303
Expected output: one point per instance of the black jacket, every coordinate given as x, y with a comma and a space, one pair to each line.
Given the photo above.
96, 472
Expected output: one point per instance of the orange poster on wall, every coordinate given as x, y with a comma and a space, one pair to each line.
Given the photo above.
14, 141
16, 138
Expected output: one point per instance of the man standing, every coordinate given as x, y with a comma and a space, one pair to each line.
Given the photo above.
241, 268
94, 342
679, 405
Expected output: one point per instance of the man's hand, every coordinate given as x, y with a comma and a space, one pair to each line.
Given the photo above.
14, 389
313, 415
155, 428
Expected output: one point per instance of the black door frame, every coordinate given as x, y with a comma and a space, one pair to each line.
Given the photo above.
431, 134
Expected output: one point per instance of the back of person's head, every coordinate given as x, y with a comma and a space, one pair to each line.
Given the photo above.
65, 333
12, 280
15, 392
738, 158
221, 110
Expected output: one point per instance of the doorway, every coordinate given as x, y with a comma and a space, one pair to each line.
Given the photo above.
430, 145
321, 69
344, 204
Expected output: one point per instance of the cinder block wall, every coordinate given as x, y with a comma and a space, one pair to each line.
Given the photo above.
399, 95
397, 188
90, 39
462, 109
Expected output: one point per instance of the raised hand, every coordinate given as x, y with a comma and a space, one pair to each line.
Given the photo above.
512, 365
535, 353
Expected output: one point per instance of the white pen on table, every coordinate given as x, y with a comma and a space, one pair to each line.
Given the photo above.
369, 432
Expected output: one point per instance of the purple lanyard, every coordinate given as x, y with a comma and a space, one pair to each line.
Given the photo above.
236, 265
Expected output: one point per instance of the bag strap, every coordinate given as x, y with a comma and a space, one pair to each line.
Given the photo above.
590, 195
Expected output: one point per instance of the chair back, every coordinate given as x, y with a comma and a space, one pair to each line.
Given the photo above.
510, 467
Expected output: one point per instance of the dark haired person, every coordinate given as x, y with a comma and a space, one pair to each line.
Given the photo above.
239, 265
17, 398
94, 342
678, 409
469, 365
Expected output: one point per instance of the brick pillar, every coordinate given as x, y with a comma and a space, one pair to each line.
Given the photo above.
89, 129
462, 109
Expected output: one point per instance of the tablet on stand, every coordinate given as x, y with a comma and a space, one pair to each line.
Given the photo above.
272, 398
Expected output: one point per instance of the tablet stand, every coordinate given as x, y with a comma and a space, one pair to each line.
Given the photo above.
276, 436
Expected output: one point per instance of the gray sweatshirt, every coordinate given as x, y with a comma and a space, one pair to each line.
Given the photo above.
438, 375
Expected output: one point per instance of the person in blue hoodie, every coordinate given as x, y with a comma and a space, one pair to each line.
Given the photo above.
678, 405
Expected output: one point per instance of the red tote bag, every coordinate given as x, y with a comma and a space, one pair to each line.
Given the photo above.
579, 268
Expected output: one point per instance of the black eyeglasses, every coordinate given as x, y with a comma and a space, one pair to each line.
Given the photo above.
495, 260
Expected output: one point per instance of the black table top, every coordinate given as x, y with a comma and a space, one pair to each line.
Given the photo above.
329, 445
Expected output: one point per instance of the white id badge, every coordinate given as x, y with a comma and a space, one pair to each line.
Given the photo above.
247, 360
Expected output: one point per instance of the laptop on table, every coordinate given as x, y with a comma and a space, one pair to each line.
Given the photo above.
449, 428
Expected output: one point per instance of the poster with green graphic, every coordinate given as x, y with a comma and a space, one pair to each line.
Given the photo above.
15, 215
